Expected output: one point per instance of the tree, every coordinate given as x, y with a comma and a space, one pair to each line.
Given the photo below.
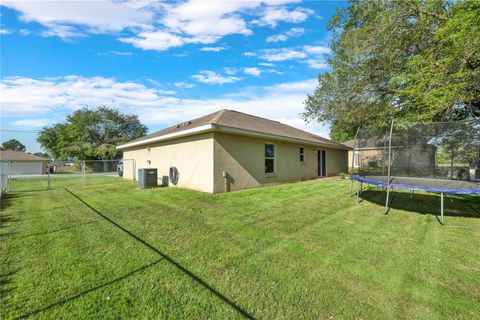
90, 134
13, 145
409, 60
444, 79
42, 154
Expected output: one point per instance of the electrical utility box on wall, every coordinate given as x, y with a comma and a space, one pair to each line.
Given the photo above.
147, 178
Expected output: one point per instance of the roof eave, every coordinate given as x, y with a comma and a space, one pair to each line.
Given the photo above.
170, 136
256, 134
226, 129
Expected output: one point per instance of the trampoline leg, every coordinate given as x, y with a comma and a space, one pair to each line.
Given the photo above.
441, 208
359, 190
386, 201
351, 186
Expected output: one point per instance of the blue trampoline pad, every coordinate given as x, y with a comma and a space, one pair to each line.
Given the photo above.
423, 184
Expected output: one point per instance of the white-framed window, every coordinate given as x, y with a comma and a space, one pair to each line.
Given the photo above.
269, 158
301, 155
356, 159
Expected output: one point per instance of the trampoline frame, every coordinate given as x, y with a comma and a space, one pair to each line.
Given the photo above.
387, 185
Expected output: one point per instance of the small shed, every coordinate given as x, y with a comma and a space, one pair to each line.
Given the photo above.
22, 163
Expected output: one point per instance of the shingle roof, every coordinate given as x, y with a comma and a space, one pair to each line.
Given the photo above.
373, 143
243, 121
9, 155
349, 143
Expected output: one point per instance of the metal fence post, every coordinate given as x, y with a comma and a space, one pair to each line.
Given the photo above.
84, 177
48, 172
389, 165
353, 159
441, 208
9, 182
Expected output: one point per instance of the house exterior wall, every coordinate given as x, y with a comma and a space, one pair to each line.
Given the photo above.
202, 159
192, 156
27, 167
243, 159
337, 161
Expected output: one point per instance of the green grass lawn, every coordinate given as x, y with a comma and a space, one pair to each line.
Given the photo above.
295, 251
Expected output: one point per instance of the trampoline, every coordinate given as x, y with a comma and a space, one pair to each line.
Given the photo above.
423, 184
441, 158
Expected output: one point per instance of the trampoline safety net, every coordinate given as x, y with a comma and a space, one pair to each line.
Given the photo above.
443, 156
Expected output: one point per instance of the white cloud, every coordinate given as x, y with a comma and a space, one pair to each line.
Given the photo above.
104, 16
25, 32
183, 84
194, 22
317, 64
208, 18
115, 53
277, 38
230, 71
166, 92
155, 25
272, 71
297, 86
25, 96
31, 123
266, 64
282, 54
42, 97
63, 32
313, 54
284, 36
211, 77
213, 49
273, 15
249, 54
254, 71
317, 50
5, 31
156, 40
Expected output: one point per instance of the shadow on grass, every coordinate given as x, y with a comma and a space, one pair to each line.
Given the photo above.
196, 278
13, 234
7, 199
6, 218
424, 203
5, 280
81, 294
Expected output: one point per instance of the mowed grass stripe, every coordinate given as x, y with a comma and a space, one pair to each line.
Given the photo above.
302, 250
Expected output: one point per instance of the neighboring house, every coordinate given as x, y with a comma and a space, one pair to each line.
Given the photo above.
362, 156
373, 155
230, 150
24, 163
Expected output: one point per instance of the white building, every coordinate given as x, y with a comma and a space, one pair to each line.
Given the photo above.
24, 163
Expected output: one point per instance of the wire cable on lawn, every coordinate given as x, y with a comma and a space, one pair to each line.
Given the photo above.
169, 259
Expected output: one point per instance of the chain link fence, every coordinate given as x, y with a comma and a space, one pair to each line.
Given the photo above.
446, 150
65, 174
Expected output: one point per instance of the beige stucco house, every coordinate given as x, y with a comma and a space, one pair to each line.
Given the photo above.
229, 150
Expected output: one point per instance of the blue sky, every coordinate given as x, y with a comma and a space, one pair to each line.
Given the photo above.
166, 62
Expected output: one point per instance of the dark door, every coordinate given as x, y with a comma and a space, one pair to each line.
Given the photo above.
321, 170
